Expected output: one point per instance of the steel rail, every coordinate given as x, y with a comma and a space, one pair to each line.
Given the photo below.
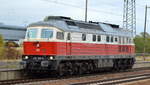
115, 81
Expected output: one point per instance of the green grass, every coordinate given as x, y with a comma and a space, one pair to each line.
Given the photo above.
142, 58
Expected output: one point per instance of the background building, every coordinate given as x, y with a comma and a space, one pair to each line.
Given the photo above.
12, 33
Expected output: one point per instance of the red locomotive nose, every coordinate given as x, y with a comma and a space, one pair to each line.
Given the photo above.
39, 48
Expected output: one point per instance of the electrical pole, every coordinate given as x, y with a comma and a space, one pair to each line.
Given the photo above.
145, 26
129, 15
86, 8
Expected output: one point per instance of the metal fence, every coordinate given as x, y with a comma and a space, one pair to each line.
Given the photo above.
142, 56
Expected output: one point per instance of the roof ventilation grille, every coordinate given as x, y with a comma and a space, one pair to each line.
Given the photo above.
56, 17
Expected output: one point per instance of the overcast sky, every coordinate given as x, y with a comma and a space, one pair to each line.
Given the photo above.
23, 12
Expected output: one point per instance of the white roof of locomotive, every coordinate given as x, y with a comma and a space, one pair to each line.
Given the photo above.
84, 27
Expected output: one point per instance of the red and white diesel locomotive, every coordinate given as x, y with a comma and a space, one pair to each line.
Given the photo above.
63, 45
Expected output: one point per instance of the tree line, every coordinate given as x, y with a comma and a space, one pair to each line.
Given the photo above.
139, 43
1, 45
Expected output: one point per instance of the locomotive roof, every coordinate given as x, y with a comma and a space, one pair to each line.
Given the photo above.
68, 24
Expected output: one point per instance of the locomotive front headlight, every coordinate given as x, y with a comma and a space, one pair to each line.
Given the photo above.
26, 57
51, 57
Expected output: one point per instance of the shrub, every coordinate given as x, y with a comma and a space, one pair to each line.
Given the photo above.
1, 47
11, 51
11, 44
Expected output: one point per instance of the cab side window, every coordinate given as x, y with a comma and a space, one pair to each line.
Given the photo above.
112, 39
94, 38
68, 36
116, 39
83, 37
60, 35
98, 38
107, 38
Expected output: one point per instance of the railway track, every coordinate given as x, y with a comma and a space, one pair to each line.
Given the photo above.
55, 79
20, 81
115, 81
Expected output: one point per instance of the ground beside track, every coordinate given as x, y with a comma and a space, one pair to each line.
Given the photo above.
141, 82
88, 78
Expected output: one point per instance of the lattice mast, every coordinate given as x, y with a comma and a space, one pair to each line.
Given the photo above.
129, 15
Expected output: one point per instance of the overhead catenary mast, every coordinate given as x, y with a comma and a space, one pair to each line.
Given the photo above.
129, 15
86, 9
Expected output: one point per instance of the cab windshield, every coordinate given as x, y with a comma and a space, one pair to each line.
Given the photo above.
39, 33
46, 33
32, 33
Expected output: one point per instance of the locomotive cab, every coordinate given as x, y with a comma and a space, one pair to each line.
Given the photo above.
40, 48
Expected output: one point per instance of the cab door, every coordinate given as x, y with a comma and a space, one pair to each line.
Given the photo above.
68, 44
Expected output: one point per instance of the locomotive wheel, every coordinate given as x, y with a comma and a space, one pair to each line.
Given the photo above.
75, 68
70, 68
129, 64
133, 61
61, 70
119, 65
82, 68
122, 65
126, 64
87, 67
91, 68
116, 65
